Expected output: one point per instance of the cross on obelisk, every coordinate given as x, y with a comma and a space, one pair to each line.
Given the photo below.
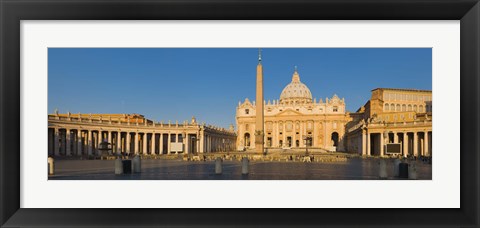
259, 123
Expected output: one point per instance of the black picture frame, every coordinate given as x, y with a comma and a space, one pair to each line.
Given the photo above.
12, 11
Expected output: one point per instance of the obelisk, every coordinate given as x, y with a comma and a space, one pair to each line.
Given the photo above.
259, 124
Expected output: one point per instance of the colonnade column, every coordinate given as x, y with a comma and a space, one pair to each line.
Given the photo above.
382, 142
145, 141
100, 137
405, 144
168, 142
129, 139
135, 140
201, 143
427, 152
90, 144
210, 144
160, 150
119, 142
68, 151
79, 142
109, 137
395, 137
153, 143
186, 140
369, 148
415, 144
74, 143
364, 142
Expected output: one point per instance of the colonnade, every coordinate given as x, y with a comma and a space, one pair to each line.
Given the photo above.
67, 138
413, 143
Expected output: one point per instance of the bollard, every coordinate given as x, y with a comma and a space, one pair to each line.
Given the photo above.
403, 170
218, 166
127, 166
396, 167
137, 164
51, 166
383, 169
244, 166
412, 171
118, 166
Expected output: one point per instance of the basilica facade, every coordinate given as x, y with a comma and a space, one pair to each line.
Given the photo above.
296, 120
391, 118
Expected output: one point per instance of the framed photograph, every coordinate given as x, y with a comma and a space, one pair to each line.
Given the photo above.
153, 120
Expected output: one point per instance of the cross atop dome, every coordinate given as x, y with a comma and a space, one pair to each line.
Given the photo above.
296, 76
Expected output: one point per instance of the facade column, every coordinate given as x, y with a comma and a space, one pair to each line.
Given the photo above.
153, 143
327, 138
119, 142
382, 142
100, 137
160, 150
109, 137
56, 140
300, 140
395, 137
415, 144
405, 144
68, 147
277, 135
129, 143
427, 149
79, 142
145, 143
90, 143
136, 141
369, 147
364, 142
169, 138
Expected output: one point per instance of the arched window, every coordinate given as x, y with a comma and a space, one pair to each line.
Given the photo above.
404, 107
247, 139
415, 108
420, 108
409, 108
392, 107
398, 108
386, 107
334, 139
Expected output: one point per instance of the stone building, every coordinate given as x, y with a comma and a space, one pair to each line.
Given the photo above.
400, 116
295, 120
80, 135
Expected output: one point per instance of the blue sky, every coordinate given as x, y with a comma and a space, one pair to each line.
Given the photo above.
176, 83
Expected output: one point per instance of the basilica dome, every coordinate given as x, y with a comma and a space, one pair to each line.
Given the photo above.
296, 92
